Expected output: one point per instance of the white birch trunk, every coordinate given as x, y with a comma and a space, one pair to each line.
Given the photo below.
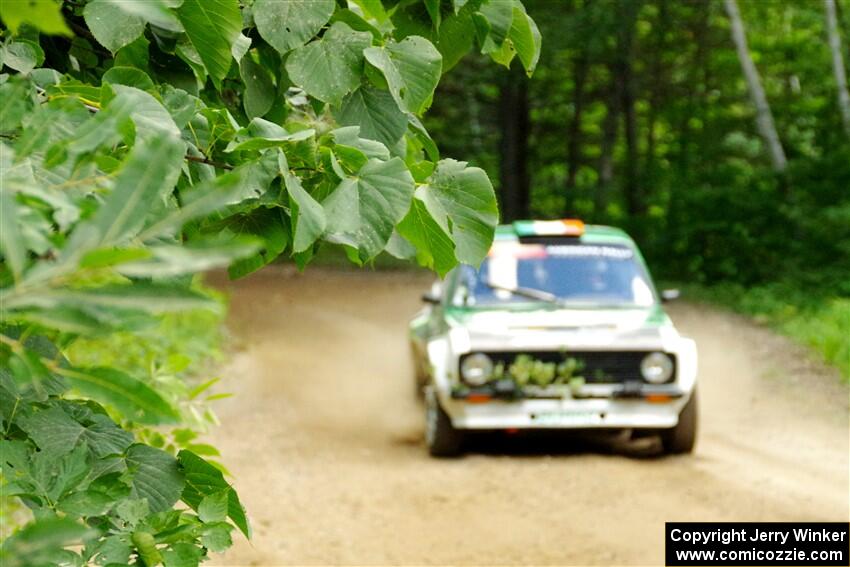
764, 118
838, 63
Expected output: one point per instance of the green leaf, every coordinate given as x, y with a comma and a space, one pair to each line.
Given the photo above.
182, 555
376, 113
458, 205
363, 209
433, 245
85, 503
213, 26
308, 217
412, 69
38, 542
150, 173
526, 39
156, 477
216, 537
203, 479
111, 24
457, 34
22, 56
128, 76
262, 134
155, 12
213, 507
267, 224
291, 24
192, 257
330, 67
260, 92
148, 115
44, 15
52, 430
12, 243
203, 200
133, 398
433, 7
498, 15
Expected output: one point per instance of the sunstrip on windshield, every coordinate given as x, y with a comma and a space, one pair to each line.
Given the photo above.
565, 227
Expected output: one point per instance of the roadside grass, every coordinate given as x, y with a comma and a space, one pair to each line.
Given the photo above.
818, 322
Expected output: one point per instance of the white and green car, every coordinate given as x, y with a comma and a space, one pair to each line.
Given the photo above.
560, 328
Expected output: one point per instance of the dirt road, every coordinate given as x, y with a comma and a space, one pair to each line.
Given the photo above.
324, 440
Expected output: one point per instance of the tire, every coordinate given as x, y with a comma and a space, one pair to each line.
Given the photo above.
682, 438
442, 438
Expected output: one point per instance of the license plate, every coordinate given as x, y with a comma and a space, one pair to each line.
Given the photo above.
568, 418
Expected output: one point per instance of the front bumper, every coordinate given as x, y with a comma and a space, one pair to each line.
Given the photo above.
650, 412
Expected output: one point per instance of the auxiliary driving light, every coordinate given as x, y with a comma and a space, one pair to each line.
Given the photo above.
476, 369
656, 368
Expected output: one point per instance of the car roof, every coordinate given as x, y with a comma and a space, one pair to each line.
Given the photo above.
593, 233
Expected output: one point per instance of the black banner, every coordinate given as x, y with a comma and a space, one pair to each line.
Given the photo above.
757, 543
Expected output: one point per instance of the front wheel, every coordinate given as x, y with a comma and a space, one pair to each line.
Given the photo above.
682, 438
442, 438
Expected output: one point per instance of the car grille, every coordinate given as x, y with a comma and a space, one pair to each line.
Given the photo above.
598, 367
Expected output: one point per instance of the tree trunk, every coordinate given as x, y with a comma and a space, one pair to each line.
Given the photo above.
513, 169
574, 139
764, 118
607, 145
838, 63
623, 68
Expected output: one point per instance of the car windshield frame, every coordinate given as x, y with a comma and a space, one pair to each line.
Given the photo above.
453, 299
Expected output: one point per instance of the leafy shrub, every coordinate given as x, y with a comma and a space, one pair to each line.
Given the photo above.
142, 142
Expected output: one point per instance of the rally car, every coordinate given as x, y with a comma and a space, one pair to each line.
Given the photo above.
561, 327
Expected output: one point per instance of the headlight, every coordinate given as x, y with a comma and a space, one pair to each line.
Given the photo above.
476, 369
656, 367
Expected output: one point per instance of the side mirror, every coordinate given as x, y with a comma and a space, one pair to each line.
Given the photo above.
670, 295
429, 297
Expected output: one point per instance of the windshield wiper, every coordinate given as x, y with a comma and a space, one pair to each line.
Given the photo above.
530, 293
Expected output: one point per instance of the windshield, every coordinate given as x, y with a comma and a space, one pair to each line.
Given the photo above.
566, 274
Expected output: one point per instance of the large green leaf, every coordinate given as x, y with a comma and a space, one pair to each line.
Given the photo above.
363, 209
56, 432
260, 93
498, 16
133, 398
331, 67
267, 224
412, 68
202, 480
526, 39
291, 23
155, 477
111, 25
376, 113
457, 204
212, 26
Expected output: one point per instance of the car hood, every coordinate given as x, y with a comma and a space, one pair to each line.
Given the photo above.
638, 328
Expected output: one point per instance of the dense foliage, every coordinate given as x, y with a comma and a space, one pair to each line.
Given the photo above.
639, 116
143, 141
